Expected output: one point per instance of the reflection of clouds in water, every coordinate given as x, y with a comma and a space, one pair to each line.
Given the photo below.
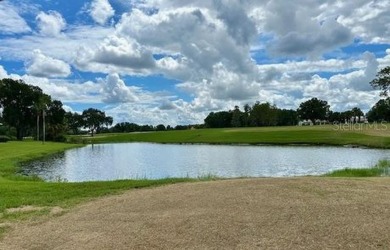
155, 161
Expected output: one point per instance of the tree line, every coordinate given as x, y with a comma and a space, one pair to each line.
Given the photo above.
313, 111
128, 127
27, 111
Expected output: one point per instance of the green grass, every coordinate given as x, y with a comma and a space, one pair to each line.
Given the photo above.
380, 169
315, 135
17, 191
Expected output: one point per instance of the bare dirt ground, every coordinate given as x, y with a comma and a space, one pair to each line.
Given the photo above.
294, 213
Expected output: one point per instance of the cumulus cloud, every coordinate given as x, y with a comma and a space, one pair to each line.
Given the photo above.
45, 66
50, 23
101, 11
3, 73
223, 85
167, 105
195, 34
367, 75
124, 53
211, 49
314, 43
298, 32
10, 20
368, 20
115, 91
239, 25
64, 90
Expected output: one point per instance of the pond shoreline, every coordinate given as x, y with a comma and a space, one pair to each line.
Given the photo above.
149, 160
18, 191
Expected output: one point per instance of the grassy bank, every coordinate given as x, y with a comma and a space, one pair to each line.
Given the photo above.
17, 191
377, 136
382, 168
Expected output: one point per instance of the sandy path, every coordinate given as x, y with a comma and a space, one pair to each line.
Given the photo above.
297, 213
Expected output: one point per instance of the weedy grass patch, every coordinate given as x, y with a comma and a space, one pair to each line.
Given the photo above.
382, 168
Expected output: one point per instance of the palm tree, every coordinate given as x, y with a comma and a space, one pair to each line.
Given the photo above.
39, 106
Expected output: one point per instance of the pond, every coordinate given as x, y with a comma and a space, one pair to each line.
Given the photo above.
155, 161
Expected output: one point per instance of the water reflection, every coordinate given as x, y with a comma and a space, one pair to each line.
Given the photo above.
154, 161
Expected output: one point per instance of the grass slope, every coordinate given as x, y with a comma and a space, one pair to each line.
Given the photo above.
17, 191
317, 135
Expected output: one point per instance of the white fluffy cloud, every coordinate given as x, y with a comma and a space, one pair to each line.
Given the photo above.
219, 53
50, 23
44, 66
3, 73
123, 52
368, 20
101, 11
114, 90
196, 34
10, 20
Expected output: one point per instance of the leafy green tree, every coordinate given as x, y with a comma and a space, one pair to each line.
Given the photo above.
18, 101
380, 111
357, 111
335, 117
74, 122
95, 119
126, 127
263, 114
287, 117
160, 127
55, 119
222, 119
313, 109
382, 81
245, 118
237, 117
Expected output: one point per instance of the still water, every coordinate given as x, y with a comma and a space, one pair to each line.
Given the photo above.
154, 161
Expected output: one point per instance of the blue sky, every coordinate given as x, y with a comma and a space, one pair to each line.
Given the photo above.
173, 62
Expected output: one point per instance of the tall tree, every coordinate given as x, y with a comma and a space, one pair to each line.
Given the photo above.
382, 81
263, 114
245, 119
95, 119
55, 117
40, 107
74, 122
380, 111
222, 119
18, 100
313, 109
287, 117
237, 117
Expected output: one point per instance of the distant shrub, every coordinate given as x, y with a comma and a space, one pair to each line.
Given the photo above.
4, 138
60, 138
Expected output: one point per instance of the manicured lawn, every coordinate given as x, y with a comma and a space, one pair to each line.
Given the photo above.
377, 137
